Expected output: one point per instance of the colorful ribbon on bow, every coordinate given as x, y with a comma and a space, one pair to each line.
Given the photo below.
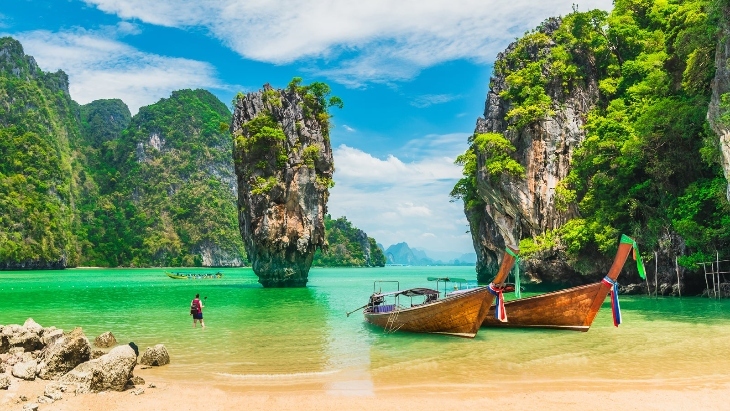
499, 311
615, 307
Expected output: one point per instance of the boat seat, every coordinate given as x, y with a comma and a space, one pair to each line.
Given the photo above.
384, 308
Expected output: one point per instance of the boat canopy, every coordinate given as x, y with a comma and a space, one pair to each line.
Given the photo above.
449, 279
411, 292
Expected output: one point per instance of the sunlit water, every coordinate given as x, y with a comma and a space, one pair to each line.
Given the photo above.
302, 336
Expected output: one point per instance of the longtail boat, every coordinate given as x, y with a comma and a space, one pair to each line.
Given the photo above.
459, 313
572, 308
193, 276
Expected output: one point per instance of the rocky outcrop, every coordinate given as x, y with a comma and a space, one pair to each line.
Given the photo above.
284, 167
720, 88
64, 354
515, 207
155, 356
108, 372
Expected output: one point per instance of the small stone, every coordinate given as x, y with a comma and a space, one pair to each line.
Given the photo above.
5, 382
44, 400
30, 407
23, 398
25, 370
152, 385
137, 380
138, 391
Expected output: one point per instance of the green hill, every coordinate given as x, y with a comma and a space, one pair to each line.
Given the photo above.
38, 124
168, 196
348, 246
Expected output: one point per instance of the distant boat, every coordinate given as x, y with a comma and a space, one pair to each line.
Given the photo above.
193, 276
569, 309
458, 313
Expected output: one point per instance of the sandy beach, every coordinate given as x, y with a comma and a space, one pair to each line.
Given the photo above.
707, 393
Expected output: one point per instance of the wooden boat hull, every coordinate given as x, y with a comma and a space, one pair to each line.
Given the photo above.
569, 309
456, 315
176, 277
460, 314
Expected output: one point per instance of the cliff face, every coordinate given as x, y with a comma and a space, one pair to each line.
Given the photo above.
513, 207
284, 168
38, 124
176, 168
720, 88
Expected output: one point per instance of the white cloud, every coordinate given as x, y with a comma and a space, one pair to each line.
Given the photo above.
394, 200
100, 66
348, 128
383, 40
428, 100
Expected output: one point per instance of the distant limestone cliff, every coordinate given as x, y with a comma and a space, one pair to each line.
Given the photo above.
284, 167
92, 185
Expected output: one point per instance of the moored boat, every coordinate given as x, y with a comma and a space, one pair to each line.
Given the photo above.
572, 308
458, 313
193, 276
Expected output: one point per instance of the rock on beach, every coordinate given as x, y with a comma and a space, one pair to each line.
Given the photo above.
155, 356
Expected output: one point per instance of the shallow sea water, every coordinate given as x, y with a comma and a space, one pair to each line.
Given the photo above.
301, 337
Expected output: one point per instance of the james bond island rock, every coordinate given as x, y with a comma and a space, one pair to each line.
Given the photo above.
284, 165
589, 133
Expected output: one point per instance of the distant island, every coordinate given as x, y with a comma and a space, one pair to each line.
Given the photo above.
402, 254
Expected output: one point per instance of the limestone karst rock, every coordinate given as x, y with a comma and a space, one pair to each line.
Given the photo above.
513, 207
720, 87
284, 166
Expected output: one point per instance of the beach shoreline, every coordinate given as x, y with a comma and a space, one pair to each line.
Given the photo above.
182, 394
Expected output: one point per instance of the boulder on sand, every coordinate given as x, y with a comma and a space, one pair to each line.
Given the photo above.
105, 340
25, 370
108, 372
64, 354
156, 356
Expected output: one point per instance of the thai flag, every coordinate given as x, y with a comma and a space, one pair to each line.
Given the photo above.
499, 313
615, 307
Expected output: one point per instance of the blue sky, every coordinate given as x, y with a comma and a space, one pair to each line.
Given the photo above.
413, 75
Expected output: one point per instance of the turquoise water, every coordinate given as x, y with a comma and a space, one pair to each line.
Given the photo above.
258, 335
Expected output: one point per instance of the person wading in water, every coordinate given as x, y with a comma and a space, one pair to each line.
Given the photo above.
196, 310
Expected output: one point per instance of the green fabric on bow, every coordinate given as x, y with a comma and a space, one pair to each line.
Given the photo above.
516, 267
639, 263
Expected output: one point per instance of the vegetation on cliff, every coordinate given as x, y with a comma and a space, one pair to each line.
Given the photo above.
168, 195
348, 246
38, 124
648, 166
